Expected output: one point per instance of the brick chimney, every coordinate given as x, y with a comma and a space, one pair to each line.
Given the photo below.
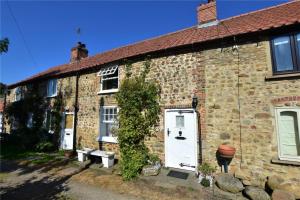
207, 12
78, 52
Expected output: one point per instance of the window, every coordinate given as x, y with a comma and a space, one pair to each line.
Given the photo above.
108, 123
52, 88
109, 79
18, 94
180, 121
286, 53
48, 121
288, 124
30, 120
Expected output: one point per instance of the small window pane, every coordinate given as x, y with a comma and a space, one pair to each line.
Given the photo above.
179, 121
51, 88
283, 55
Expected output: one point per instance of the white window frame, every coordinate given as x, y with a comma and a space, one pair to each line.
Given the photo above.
18, 90
277, 117
48, 91
108, 71
102, 138
45, 121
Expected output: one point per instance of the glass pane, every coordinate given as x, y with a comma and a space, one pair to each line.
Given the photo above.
68, 121
298, 44
54, 82
283, 55
179, 121
110, 84
289, 134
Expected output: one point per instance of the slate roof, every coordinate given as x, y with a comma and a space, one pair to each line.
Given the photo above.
268, 18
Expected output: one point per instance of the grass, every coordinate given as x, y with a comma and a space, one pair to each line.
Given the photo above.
3, 176
13, 152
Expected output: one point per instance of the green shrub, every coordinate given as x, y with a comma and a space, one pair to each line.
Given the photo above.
132, 162
139, 109
205, 182
45, 146
206, 169
153, 158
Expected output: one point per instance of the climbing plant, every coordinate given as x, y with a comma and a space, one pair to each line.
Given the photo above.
26, 117
138, 101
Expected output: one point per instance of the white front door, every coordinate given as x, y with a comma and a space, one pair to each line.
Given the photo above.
181, 138
68, 131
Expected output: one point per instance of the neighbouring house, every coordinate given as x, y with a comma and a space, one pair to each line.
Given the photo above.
244, 73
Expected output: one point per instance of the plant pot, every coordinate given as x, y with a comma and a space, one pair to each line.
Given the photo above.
226, 151
208, 177
69, 153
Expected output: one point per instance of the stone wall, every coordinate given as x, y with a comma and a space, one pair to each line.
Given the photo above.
236, 103
176, 75
240, 105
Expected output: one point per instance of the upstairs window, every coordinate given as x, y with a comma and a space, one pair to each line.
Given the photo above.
286, 54
52, 88
109, 79
288, 124
18, 94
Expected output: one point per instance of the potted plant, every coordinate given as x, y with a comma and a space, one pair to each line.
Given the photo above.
205, 172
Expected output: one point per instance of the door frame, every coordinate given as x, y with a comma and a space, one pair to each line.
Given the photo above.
63, 128
196, 133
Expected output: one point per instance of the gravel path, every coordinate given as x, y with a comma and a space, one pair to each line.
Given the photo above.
79, 191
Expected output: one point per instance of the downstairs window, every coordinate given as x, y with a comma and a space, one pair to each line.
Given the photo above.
288, 123
108, 123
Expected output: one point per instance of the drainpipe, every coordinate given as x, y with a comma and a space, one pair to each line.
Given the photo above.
75, 112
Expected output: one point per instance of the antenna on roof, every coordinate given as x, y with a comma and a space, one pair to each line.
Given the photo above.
78, 32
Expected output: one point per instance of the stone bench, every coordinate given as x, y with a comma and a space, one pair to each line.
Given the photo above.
107, 157
83, 153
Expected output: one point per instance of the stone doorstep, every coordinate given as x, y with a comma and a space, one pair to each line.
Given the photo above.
164, 181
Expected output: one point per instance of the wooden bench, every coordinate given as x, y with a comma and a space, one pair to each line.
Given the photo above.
107, 157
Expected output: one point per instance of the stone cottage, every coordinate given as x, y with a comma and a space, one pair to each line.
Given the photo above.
233, 81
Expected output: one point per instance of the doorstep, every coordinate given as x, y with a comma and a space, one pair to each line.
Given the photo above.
162, 180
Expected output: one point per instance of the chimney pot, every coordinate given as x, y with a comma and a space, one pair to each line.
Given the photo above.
207, 12
78, 52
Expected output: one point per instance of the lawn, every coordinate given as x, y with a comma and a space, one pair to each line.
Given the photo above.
13, 152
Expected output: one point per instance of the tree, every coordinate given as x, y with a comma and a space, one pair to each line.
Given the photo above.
4, 45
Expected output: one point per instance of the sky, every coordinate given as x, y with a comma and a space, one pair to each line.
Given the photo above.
41, 33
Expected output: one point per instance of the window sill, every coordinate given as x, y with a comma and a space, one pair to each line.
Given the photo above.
282, 77
51, 96
108, 91
108, 139
284, 162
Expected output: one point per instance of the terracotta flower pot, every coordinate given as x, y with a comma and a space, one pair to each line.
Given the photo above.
226, 151
69, 153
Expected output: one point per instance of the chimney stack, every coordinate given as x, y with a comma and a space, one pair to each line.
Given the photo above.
207, 12
78, 52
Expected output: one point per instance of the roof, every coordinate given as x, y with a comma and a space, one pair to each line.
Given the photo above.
268, 18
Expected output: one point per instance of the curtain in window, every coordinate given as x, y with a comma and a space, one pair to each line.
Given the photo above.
52, 87
289, 134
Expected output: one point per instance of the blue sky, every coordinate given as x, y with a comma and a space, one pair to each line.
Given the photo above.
49, 27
